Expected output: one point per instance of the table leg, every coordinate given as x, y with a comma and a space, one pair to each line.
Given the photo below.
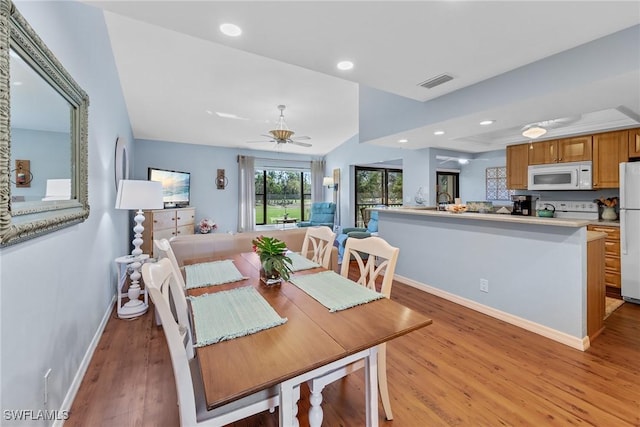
315, 399
371, 386
289, 396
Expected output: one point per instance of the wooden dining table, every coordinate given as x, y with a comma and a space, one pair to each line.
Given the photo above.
312, 342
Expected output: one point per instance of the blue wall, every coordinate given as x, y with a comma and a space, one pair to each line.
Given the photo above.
202, 162
48, 154
57, 289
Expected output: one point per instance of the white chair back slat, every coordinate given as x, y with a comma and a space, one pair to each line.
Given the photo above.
317, 245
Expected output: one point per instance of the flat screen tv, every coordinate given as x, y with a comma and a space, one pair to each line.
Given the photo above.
176, 186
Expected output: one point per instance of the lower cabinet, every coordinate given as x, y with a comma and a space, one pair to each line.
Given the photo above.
165, 224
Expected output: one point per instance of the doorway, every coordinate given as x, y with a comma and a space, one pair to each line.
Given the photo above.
447, 186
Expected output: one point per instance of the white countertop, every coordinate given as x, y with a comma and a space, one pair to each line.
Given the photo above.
426, 211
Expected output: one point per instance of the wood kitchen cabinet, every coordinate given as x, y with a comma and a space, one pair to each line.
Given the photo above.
165, 224
517, 163
634, 143
612, 275
609, 150
563, 150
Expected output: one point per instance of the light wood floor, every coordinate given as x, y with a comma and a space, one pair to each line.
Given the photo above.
466, 369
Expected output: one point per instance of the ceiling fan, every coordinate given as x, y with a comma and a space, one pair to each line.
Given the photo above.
460, 160
282, 134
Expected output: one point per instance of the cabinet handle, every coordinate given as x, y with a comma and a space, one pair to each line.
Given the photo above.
178, 218
155, 221
637, 142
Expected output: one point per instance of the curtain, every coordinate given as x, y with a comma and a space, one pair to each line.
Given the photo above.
317, 174
246, 194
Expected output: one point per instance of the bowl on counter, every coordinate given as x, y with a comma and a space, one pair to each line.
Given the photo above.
456, 208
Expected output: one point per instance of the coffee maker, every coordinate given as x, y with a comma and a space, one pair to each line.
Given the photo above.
522, 205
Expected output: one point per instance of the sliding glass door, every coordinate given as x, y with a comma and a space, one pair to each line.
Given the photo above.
376, 186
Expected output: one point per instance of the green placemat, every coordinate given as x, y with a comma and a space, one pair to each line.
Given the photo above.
334, 291
301, 263
225, 315
211, 273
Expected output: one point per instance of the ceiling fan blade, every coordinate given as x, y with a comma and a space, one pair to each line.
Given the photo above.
301, 138
302, 144
252, 142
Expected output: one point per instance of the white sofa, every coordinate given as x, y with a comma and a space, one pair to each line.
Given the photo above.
222, 244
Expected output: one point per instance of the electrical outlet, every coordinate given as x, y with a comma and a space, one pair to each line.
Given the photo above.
46, 385
484, 285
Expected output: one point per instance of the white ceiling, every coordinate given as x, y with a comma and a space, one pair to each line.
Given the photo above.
175, 65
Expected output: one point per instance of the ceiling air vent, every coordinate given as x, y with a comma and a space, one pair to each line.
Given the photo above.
436, 81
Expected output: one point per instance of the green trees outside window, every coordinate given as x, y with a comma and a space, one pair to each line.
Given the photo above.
282, 194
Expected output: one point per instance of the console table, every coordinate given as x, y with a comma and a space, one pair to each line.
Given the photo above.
284, 221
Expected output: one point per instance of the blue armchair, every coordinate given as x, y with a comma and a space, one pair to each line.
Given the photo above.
357, 233
322, 213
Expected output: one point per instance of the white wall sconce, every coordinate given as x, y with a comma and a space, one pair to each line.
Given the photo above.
328, 182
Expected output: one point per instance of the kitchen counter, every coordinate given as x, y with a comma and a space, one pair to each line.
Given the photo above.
528, 271
558, 222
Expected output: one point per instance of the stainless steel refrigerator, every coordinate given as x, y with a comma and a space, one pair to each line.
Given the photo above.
630, 230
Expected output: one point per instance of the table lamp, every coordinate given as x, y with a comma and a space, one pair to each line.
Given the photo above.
137, 195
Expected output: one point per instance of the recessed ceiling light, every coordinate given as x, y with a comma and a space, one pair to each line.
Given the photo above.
487, 122
231, 30
345, 65
403, 141
439, 132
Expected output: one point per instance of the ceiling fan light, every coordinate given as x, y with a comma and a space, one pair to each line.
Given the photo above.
534, 132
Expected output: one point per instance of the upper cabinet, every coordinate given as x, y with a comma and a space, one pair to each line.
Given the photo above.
564, 150
609, 150
517, 164
634, 143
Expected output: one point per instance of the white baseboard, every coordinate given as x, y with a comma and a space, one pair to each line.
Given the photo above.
545, 331
84, 365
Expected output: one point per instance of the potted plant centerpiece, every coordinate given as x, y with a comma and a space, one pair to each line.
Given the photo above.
275, 264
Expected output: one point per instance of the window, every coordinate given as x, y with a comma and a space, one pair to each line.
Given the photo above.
281, 193
376, 186
496, 181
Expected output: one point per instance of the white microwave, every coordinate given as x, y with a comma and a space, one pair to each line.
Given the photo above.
560, 176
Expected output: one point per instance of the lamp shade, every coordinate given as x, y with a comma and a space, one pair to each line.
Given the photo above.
133, 194
327, 181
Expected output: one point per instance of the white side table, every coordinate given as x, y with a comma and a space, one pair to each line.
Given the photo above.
135, 306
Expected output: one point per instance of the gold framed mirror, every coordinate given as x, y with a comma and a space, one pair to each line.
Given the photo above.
55, 139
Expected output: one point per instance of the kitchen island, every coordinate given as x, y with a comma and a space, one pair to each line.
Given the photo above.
528, 271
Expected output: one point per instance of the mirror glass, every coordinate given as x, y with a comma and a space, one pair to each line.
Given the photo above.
40, 138
43, 136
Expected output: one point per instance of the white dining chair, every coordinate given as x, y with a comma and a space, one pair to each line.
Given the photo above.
186, 369
164, 249
374, 257
317, 245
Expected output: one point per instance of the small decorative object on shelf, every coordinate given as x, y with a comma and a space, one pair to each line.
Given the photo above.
275, 264
608, 208
206, 226
419, 198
